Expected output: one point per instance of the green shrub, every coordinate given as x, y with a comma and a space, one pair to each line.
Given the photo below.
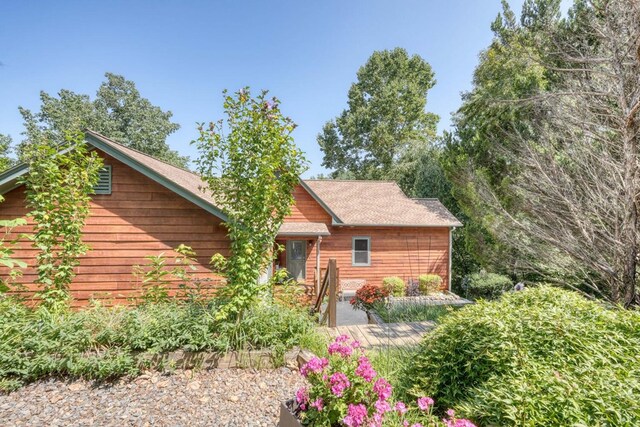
429, 283
394, 285
485, 285
539, 357
108, 342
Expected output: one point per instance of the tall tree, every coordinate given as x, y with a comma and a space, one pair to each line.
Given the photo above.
420, 174
118, 111
385, 116
5, 148
251, 163
491, 121
575, 180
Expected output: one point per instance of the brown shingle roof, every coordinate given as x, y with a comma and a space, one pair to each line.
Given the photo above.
350, 202
379, 203
303, 229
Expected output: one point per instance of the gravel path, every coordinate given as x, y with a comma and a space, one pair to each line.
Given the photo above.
218, 397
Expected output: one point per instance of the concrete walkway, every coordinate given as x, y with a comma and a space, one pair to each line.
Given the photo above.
346, 315
385, 335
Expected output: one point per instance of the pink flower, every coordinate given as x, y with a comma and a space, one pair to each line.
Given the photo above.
355, 344
416, 425
302, 397
405, 423
356, 414
382, 406
342, 349
424, 403
318, 404
401, 408
339, 382
364, 369
314, 365
451, 413
382, 388
342, 338
376, 420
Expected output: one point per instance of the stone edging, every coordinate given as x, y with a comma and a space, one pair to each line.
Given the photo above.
438, 299
257, 359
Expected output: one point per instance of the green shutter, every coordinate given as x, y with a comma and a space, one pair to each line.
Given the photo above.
103, 186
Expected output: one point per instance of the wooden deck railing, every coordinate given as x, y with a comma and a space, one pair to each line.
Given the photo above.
328, 286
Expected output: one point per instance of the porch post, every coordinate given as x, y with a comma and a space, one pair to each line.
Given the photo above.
318, 273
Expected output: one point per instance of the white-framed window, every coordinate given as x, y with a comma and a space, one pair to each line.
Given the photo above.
103, 186
361, 251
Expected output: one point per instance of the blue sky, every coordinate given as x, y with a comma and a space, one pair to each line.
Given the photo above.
182, 54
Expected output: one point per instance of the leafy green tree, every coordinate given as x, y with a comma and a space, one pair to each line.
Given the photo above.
385, 116
118, 111
252, 165
552, 169
5, 148
492, 120
58, 187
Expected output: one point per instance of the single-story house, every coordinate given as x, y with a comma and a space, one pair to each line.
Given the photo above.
143, 206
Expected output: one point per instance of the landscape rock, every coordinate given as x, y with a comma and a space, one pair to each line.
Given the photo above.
217, 397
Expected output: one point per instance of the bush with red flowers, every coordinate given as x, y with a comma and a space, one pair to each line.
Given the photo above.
367, 296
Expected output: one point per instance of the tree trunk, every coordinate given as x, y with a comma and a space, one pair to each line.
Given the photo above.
630, 224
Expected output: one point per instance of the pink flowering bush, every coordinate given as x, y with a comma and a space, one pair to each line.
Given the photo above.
345, 390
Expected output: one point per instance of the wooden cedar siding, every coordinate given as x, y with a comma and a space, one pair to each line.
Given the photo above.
406, 252
306, 209
138, 219
395, 251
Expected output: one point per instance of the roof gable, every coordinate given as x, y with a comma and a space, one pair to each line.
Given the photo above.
182, 182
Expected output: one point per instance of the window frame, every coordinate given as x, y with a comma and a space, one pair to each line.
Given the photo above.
353, 251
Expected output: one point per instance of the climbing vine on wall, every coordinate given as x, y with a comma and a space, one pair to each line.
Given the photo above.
58, 186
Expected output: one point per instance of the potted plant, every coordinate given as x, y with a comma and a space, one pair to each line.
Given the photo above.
366, 297
345, 390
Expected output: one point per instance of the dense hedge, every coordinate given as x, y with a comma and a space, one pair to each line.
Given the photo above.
485, 285
539, 357
102, 343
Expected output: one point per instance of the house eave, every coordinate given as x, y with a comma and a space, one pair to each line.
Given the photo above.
301, 234
399, 225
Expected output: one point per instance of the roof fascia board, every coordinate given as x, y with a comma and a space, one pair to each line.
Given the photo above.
400, 225
302, 234
335, 218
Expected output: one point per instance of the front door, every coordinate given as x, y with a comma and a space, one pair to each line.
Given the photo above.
297, 259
